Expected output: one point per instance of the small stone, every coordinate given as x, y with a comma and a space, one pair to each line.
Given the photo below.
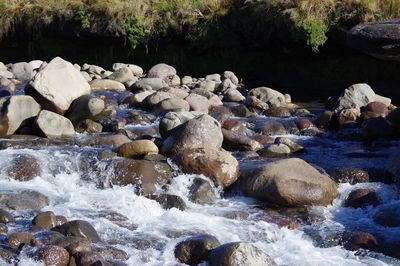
137, 148
6, 217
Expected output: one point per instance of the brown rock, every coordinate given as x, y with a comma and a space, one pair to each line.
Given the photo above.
219, 165
54, 256
377, 108
303, 123
137, 148
196, 249
361, 197
6, 217
23, 200
271, 127
278, 112
362, 240
18, 240
44, 220
79, 228
350, 175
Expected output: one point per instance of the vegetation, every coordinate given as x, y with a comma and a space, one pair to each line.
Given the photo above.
199, 22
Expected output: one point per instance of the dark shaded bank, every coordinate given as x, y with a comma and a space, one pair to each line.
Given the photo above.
305, 75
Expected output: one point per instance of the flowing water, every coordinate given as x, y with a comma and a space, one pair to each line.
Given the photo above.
148, 233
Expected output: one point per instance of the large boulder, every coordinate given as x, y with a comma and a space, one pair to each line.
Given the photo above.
269, 96
357, 96
238, 254
162, 71
202, 131
15, 111
219, 165
289, 182
78, 228
379, 39
50, 124
57, 85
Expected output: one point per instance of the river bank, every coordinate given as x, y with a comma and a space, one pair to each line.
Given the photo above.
126, 166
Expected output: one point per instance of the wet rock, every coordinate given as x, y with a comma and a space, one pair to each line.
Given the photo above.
278, 112
202, 192
57, 85
269, 96
15, 112
378, 108
289, 182
361, 197
3, 230
362, 240
376, 128
350, 175
324, 119
6, 217
198, 103
8, 255
235, 142
240, 253
24, 167
293, 146
48, 237
53, 256
18, 240
23, 200
50, 124
111, 253
148, 84
88, 126
276, 150
137, 148
85, 107
347, 116
303, 123
200, 132
44, 220
88, 258
388, 215
196, 249
171, 104
149, 173
169, 201
238, 126
106, 84
263, 139
162, 71
74, 244
240, 110
79, 228
111, 140
270, 128
137, 99
216, 164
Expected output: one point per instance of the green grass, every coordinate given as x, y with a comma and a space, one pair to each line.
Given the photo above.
199, 22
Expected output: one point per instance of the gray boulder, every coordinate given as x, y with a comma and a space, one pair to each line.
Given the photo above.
148, 84
289, 182
162, 71
239, 254
202, 131
173, 119
57, 85
137, 71
106, 84
15, 111
269, 96
122, 75
50, 124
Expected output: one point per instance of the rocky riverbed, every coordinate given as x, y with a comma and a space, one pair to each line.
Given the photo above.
134, 167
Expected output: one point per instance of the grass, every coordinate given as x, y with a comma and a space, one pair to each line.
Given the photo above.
199, 22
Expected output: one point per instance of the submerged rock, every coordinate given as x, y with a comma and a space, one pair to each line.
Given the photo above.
388, 215
361, 197
202, 192
169, 201
289, 182
23, 200
238, 254
24, 167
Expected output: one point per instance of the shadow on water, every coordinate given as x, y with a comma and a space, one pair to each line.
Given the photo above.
306, 76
